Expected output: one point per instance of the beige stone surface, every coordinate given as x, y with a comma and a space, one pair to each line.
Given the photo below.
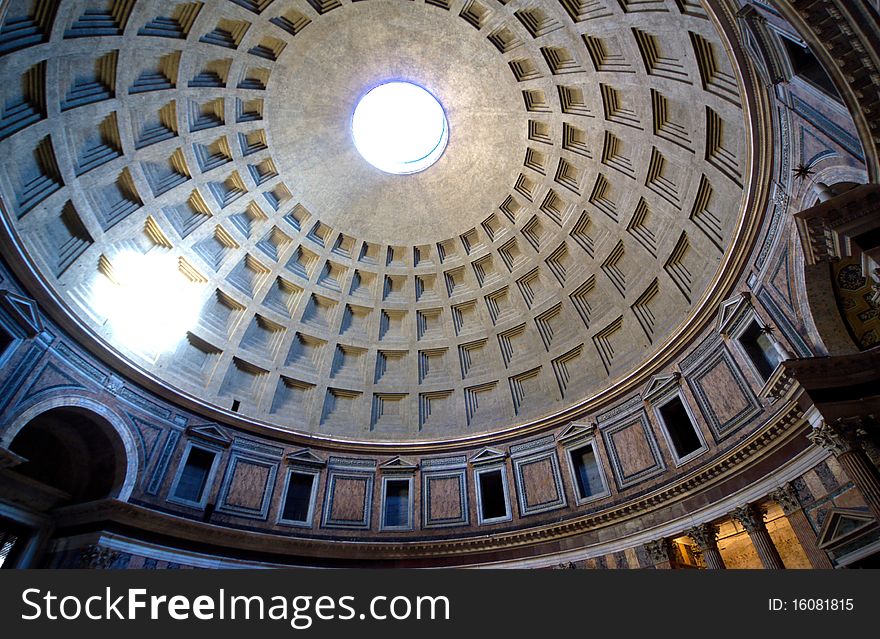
591, 184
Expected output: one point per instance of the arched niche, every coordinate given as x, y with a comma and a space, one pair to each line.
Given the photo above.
74, 445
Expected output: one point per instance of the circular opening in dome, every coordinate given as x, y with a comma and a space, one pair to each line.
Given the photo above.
400, 128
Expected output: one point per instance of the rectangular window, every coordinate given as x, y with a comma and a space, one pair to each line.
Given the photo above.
760, 350
588, 477
493, 498
298, 500
191, 485
804, 64
682, 432
396, 509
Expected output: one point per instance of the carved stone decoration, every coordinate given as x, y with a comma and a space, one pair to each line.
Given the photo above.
750, 516
847, 433
732, 311
658, 550
786, 497
114, 384
830, 438
705, 536
97, 557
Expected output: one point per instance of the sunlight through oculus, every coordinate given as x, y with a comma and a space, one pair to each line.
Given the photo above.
149, 304
400, 128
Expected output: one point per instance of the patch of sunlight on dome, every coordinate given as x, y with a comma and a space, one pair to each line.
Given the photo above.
148, 302
400, 128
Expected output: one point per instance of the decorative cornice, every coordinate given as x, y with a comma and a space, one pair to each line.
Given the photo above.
398, 465
660, 385
574, 432
487, 456
780, 383
304, 457
210, 432
731, 311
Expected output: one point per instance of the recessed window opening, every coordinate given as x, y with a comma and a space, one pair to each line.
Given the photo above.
399, 128
682, 432
588, 478
235, 405
396, 510
72, 450
805, 65
493, 500
298, 498
191, 485
760, 350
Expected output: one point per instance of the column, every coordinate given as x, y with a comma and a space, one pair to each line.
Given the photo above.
706, 538
841, 439
786, 497
659, 553
752, 519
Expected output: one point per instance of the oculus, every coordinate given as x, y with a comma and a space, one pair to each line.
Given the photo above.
399, 128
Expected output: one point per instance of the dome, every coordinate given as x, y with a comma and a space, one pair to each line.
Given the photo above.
572, 230
596, 285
